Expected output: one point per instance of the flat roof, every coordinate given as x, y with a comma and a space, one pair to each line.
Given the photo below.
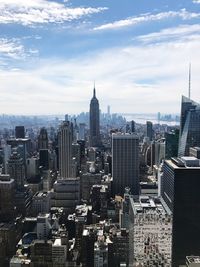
174, 166
189, 158
57, 242
124, 136
193, 259
146, 204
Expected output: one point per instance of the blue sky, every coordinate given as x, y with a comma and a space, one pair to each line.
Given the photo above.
137, 52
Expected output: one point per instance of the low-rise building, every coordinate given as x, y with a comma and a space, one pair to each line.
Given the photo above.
150, 232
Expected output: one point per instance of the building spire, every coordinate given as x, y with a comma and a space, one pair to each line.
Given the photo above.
94, 90
189, 88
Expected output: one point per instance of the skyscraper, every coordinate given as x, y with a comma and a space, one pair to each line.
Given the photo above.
180, 195
132, 127
125, 163
16, 170
171, 142
7, 209
43, 139
150, 130
65, 149
189, 126
19, 132
94, 121
81, 134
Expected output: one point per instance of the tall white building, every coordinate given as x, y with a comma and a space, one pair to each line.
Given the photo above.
43, 226
125, 163
65, 149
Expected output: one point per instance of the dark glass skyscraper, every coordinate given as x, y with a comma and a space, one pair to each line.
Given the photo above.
94, 121
150, 130
19, 132
125, 163
189, 126
180, 195
171, 144
43, 139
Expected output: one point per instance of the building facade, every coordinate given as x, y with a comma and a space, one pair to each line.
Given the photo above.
150, 233
65, 149
125, 163
180, 195
189, 126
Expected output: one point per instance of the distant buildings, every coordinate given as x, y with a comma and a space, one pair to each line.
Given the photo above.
81, 133
125, 163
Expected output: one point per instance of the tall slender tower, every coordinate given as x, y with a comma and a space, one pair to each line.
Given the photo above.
189, 89
65, 149
94, 121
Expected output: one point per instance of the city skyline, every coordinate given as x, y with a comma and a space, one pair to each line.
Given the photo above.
138, 54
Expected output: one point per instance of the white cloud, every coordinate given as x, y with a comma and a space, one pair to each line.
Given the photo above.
13, 48
183, 14
148, 77
41, 11
196, 1
183, 32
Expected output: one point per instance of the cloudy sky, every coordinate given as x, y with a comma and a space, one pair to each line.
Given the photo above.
137, 52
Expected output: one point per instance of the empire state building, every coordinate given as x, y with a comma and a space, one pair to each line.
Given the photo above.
94, 121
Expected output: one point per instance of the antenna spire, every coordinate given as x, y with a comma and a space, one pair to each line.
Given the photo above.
189, 89
94, 91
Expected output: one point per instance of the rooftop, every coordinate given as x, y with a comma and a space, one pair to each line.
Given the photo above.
184, 163
147, 205
57, 242
120, 135
193, 259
